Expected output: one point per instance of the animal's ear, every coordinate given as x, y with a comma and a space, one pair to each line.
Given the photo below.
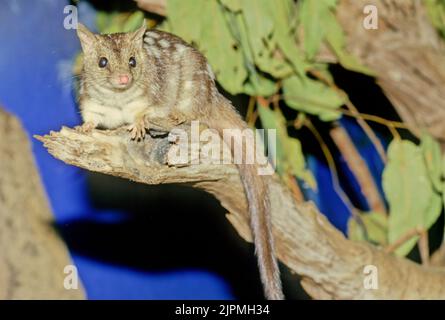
138, 35
87, 38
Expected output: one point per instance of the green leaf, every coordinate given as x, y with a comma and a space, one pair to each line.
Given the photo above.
376, 225
443, 193
133, 22
332, 4
312, 18
284, 15
290, 157
312, 97
109, 22
258, 85
102, 20
275, 120
297, 163
319, 23
118, 22
323, 70
412, 200
436, 14
233, 5
258, 24
258, 19
433, 159
203, 23
336, 39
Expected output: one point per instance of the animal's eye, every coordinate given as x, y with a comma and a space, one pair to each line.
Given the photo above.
132, 62
103, 62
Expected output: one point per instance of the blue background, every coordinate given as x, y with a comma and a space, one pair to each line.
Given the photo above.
36, 58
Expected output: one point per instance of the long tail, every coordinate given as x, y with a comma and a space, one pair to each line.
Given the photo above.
257, 194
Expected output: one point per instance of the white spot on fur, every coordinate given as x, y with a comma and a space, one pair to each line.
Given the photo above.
153, 34
180, 48
188, 85
149, 40
164, 43
155, 51
184, 104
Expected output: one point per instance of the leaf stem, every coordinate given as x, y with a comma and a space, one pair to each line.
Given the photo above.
362, 123
334, 177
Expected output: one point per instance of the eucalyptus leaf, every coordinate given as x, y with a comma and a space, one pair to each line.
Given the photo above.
102, 20
436, 14
118, 22
259, 25
133, 22
284, 14
274, 120
376, 225
443, 194
323, 70
312, 18
336, 39
258, 19
258, 85
313, 97
233, 5
290, 157
412, 200
204, 24
109, 22
433, 159
297, 163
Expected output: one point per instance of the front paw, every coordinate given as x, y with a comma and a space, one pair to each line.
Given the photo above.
87, 127
137, 130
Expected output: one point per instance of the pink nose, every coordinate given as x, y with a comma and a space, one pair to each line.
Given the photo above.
123, 79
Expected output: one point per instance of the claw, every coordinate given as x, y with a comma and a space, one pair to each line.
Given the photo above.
137, 130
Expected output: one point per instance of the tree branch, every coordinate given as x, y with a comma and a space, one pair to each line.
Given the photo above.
407, 55
359, 168
155, 6
330, 265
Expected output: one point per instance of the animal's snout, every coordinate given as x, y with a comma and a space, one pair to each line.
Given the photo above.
124, 79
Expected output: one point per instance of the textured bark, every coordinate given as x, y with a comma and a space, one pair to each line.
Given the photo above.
330, 265
32, 256
407, 55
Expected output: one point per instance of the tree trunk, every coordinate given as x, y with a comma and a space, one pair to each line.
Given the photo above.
32, 256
